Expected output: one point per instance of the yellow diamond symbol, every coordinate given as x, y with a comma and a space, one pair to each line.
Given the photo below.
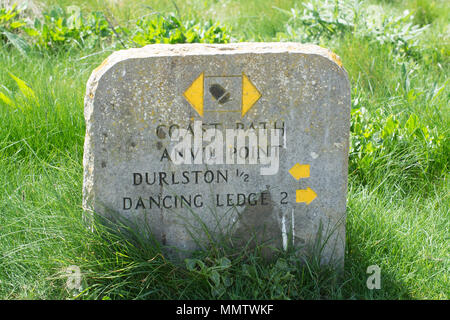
300, 171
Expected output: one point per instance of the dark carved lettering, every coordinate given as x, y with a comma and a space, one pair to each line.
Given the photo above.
186, 177
125, 207
139, 204
146, 178
137, 179
165, 155
254, 201
162, 178
264, 195
198, 204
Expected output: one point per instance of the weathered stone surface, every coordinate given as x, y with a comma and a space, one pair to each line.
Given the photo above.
136, 99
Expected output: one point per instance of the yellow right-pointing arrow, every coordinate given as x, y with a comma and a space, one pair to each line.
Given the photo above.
307, 195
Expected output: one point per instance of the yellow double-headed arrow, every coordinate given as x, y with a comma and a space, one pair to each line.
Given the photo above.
194, 94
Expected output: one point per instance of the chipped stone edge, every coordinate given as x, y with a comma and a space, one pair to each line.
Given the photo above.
197, 49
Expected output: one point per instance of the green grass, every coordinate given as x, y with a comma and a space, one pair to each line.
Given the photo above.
398, 202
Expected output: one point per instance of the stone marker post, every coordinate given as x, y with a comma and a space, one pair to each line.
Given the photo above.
248, 140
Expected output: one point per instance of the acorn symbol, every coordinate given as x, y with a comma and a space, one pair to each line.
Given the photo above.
219, 93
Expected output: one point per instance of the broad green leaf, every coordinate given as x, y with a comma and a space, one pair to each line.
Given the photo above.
224, 262
7, 100
24, 87
412, 123
215, 277
31, 32
389, 127
438, 91
369, 148
17, 24
18, 42
190, 264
